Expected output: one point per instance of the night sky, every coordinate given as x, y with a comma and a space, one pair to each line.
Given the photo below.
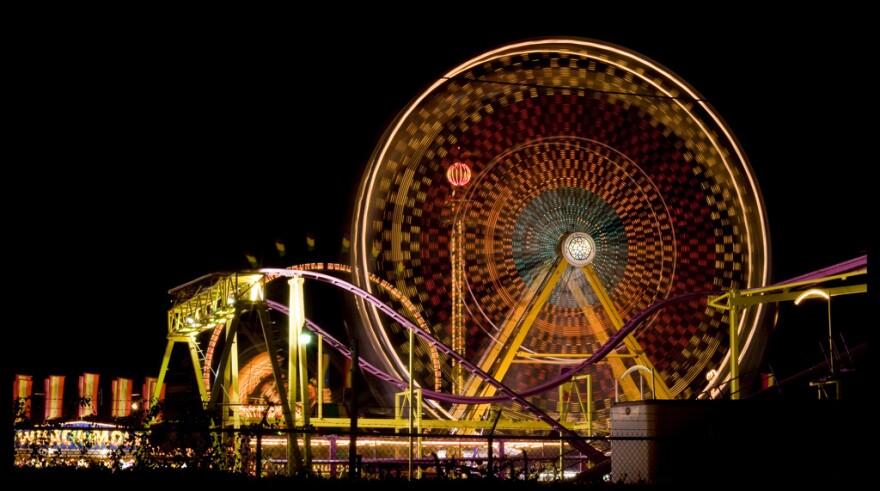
146, 156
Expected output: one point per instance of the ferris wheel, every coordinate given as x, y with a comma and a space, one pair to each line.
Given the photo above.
535, 198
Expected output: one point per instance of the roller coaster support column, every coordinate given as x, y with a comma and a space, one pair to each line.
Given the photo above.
490, 473
353, 469
734, 346
294, 457
296, 366
573, 390
232, 398
409, 475
222, 387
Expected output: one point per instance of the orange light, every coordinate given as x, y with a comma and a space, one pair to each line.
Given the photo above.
458, 174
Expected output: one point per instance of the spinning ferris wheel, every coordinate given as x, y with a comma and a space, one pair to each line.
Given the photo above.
538, 196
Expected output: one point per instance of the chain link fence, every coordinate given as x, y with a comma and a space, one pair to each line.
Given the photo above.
657, 443
273, 452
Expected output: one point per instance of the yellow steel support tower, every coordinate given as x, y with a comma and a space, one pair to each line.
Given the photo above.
661, 391
735, 301
499, 357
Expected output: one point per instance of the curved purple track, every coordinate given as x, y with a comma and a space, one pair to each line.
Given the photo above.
508, 394
613, 341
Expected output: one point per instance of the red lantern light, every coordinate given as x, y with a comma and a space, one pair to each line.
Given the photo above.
458, 174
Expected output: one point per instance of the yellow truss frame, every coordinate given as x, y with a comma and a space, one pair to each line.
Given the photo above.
736, 300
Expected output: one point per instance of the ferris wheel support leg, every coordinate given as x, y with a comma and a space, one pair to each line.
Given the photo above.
661, 390
615, 363
522, 328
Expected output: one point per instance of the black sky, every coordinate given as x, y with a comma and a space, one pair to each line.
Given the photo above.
146, 154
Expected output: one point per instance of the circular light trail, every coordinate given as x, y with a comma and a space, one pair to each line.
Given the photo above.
565, 138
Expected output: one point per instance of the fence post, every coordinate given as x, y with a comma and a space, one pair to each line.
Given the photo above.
258, 465
353, 464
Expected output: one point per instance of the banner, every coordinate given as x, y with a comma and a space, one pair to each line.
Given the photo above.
88, 394
148, 393
22, 388
54, 396
121, 388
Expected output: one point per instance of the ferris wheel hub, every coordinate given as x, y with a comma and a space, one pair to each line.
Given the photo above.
578, 248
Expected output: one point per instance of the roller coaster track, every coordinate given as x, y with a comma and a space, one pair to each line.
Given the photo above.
198, 297
575, 440
853, 267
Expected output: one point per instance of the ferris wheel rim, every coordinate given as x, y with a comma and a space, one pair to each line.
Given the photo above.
362, 250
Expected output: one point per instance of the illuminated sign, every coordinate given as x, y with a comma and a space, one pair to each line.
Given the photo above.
76, 438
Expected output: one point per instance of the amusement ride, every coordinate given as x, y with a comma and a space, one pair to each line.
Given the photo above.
550, 228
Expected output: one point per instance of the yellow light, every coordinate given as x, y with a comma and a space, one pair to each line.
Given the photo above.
711, 374
812, 292
256, 293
